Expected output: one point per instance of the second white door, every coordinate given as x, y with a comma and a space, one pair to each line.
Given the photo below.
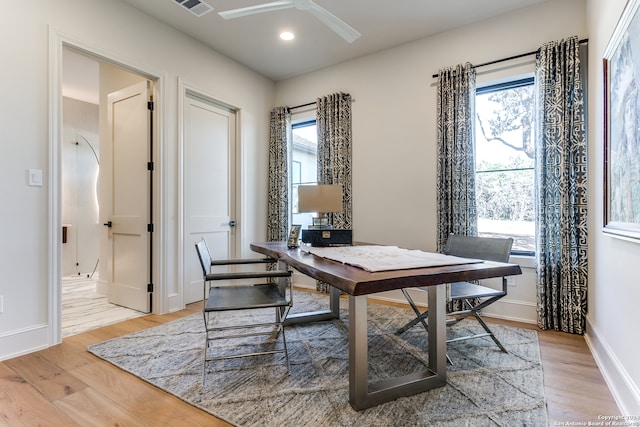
209, 186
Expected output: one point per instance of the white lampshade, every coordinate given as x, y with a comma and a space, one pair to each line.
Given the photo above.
320, 198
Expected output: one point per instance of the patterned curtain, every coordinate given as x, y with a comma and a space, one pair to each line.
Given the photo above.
456, 203
278, 197
333, 119
561, 189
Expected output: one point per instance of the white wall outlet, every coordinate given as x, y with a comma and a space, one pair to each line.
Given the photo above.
512, 281
35, 177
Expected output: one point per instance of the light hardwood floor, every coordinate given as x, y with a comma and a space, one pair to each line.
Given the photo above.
83, 309
66, 386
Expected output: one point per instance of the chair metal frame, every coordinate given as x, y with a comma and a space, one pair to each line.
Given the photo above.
474, 297
228, 297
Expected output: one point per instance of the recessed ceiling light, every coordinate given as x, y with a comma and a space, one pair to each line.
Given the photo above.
286, 35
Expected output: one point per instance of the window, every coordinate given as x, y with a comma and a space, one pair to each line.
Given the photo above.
304, 165
505, 174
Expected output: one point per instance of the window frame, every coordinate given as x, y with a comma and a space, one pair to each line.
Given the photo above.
304, 122
495, 87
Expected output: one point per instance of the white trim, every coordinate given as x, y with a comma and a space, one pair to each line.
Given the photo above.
54, 267
625, 392
24, 341
161, 204
57, 41
159, 255
177, 300
520, 307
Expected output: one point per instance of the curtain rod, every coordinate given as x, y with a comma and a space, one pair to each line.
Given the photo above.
308, 104
302, 105
522, 55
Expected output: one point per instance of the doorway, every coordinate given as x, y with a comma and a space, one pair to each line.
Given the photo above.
86, 255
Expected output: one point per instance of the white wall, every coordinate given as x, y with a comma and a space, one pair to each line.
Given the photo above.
29, 33
614, 289
394, 159
394, 124
79, 158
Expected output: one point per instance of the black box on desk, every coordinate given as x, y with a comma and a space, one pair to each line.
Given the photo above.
327, 237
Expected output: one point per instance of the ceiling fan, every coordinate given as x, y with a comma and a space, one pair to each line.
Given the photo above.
343, 29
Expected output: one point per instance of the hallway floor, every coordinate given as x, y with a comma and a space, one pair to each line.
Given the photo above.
84, 310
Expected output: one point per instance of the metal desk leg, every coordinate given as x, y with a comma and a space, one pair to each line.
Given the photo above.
438, 330
363, 395
333, 312
358, 353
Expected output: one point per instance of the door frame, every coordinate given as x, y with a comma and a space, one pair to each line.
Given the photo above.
185, 89
57, 42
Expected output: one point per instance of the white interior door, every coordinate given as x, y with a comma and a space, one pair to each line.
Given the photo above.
130, 133
209, 186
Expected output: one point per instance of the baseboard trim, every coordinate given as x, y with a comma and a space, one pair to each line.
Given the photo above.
510, 318
102, 287
24, 341
625, 392
514, 310
175, 303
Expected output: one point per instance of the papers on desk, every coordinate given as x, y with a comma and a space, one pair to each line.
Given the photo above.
386, 258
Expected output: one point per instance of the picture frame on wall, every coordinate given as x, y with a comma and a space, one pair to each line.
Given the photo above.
621, 61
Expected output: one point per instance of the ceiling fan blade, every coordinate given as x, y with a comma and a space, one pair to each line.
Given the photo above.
260, 8
343, 29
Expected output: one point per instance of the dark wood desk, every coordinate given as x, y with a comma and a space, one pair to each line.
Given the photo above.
359, 283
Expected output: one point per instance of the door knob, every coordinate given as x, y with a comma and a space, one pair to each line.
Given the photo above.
108, 224
232, 223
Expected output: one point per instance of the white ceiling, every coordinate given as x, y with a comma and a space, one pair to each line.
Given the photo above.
80, 77
253, 40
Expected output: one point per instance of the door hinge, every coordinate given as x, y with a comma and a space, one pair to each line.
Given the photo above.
150, 228
150, 105
150, 166
150, 287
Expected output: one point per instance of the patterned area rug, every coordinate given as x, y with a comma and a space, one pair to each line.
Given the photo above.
485, 387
